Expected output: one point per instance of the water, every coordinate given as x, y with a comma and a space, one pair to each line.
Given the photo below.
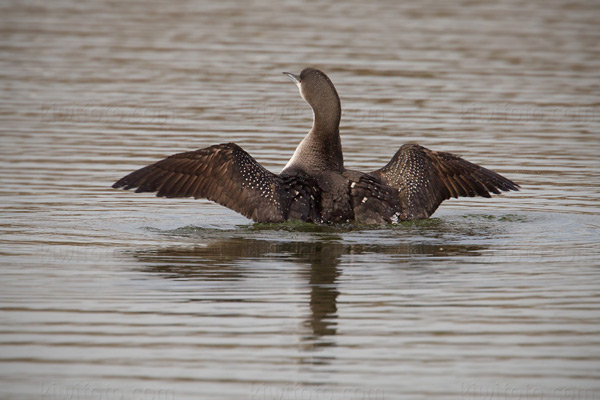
114, 295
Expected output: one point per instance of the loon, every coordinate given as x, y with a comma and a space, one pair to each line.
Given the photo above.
314, 186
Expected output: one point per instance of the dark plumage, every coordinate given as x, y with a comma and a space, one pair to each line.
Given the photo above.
314, 186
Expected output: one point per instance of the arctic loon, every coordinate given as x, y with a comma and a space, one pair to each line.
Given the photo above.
314, 186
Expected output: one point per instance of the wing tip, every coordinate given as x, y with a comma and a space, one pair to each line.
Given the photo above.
120, 184
511, 186
124, 184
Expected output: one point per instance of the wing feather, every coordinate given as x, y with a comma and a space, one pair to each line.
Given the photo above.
222, 173
426, 178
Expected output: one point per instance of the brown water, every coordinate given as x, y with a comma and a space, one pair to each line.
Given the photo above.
115, 295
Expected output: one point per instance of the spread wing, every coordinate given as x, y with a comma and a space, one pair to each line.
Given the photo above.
425, 178
223, 173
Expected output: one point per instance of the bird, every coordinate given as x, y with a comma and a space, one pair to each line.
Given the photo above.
314, 186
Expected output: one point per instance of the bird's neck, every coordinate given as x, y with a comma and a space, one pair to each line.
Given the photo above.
321, 149
326, 146
326, 120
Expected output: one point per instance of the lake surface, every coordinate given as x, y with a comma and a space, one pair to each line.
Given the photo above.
107, 294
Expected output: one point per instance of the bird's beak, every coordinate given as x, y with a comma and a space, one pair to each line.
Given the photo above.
294, 78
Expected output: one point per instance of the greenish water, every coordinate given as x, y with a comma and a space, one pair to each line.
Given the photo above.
107, 294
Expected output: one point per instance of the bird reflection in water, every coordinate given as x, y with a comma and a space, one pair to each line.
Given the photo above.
223, 260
